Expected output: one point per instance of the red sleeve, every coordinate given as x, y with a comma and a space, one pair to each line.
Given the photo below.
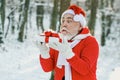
49, 63
88, 58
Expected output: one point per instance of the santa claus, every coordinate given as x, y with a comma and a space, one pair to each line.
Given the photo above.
74, 55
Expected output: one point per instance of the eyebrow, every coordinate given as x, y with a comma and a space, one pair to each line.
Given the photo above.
68, 18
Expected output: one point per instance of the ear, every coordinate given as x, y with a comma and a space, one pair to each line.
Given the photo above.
80, 28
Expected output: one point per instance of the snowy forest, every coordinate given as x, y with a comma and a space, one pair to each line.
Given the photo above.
22, 20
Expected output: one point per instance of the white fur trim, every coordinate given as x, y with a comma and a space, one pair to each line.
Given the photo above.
81, 36
69, 11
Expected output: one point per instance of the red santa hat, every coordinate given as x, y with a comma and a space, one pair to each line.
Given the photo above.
78, 12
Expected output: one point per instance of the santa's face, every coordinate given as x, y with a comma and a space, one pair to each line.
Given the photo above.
69, 27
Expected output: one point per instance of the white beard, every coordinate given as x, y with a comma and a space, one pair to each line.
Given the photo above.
69, 37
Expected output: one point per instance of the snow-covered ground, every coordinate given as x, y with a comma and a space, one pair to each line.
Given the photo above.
20, 61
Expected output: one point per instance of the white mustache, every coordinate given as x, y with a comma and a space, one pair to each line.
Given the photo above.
64, 29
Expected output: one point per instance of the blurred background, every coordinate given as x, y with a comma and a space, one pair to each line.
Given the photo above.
22, 20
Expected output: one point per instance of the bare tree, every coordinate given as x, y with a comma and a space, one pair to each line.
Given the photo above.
3, 13
1, 36
103, 29
107, 19
24, 20
92, 20
20, 9
39, 17
2, 19
11, 16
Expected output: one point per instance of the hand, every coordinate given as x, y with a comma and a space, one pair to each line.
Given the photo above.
63, 48
44, 49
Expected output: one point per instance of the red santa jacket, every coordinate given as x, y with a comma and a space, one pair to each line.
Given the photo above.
83, 64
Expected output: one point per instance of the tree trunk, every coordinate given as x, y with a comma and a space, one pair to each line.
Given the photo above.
109, 17
106, 3
12, 22
3, 13
7, 26
106, 20
87, 4
112, 3
2, 19
101, 6
39, 19
103, 29
54, 17
92, 20
1, 36
24, 21
20, 15
109, 23
30, 16
52, 76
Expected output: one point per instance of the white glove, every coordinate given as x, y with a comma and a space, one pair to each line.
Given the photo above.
44, 49
63, 48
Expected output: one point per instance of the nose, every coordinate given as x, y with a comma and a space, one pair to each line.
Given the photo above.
64, 24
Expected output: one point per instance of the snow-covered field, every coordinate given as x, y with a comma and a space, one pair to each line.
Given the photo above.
20, 61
